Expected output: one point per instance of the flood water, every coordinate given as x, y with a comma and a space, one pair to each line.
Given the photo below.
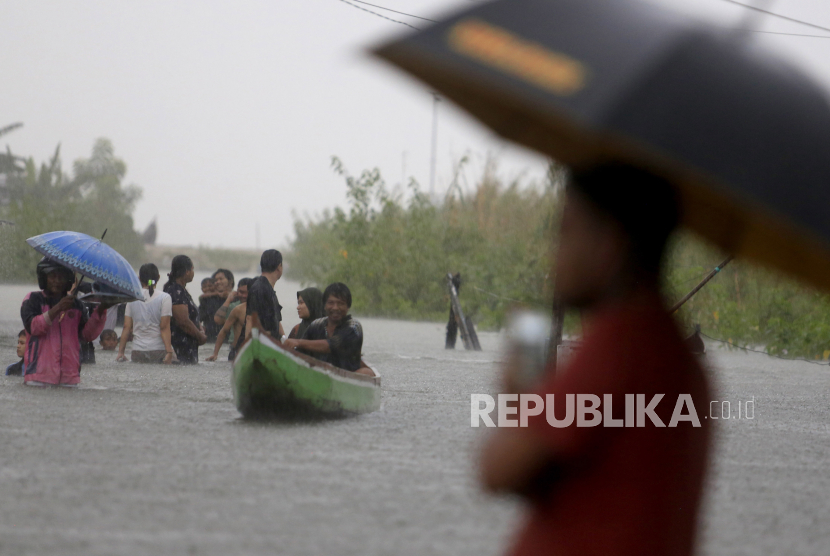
156, 460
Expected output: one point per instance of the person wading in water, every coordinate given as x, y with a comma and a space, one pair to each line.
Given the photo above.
185, 334
263, 309
55, 323
234, 325
148, 322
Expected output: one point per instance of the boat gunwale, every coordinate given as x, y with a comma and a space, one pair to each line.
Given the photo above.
314, 364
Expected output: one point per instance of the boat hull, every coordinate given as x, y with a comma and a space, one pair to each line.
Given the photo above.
269, 381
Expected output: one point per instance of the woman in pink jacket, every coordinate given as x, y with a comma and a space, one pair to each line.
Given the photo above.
55, 321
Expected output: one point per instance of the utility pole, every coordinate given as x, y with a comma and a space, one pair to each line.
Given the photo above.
435, 100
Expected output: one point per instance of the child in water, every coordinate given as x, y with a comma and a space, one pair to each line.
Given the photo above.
108, 340
207, 288
16, 369
209, 302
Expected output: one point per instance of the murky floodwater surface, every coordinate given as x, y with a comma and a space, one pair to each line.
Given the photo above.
155, 460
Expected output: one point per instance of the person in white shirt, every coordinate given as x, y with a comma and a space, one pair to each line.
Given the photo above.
149, 322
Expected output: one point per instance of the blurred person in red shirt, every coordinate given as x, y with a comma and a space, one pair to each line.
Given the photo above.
615, 488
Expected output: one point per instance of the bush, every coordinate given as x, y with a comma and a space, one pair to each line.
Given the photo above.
748, 305
394, 252
36, 201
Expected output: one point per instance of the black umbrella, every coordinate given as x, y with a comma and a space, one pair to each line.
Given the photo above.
745, 136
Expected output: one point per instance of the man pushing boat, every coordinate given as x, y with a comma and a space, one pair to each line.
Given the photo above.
337, 338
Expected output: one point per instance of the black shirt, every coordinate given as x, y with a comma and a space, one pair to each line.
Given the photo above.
15, 369
207, 309
346, 343
185, 346
262, 300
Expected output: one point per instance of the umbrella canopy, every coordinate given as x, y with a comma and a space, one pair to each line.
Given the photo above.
92, 258
744, 136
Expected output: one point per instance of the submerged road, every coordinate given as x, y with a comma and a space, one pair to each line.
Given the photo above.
155, 460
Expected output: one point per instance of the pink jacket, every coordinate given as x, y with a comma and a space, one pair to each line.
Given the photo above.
53, 347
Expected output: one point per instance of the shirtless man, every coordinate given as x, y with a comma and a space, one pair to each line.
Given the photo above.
224, 278
235, 321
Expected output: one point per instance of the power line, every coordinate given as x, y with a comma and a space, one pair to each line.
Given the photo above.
396, 11
497, 296
381, 16
753, 8
788, 34
730, 1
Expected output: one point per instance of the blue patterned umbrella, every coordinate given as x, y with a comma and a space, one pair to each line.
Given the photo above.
90, 257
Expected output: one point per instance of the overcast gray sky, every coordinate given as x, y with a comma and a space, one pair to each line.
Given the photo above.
227, 113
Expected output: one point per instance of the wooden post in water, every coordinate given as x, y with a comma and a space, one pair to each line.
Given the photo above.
471, 330
459, 314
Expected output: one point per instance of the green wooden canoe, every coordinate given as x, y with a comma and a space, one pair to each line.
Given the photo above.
269, 381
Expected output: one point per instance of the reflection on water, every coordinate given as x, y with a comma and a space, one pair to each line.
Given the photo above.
154, 460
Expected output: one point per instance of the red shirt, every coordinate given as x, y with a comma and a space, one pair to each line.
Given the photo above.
626, 490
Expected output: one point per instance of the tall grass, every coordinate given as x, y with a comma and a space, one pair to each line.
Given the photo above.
749, 305
394, 250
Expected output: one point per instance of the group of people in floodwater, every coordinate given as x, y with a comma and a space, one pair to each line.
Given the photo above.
623, 488
168, 327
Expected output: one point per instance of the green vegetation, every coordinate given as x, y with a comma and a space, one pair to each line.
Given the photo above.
746, 305
394, 251
38, 200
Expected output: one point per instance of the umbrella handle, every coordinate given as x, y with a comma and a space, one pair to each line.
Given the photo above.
78, 283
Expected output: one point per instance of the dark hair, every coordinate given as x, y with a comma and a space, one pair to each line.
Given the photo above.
21, 333
244, 282
228, 274
270, 260
149, 274
643, 204
313, 299
207, 280
108, 333
340, 291
180, 266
